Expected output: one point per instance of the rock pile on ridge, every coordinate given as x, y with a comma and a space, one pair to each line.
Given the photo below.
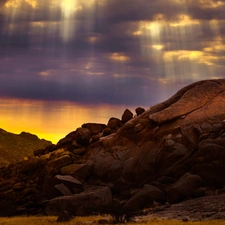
169, 153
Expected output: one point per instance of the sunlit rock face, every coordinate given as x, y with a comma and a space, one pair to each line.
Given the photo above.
174, 136
173, 151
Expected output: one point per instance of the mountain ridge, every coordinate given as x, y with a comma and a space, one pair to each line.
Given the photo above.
14, 147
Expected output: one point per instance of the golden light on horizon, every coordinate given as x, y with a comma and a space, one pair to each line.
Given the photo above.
52, 120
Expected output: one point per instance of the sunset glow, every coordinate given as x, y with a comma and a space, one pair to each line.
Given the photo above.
67, 58
51, 120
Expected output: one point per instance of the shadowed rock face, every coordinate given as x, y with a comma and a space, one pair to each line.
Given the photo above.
177, 147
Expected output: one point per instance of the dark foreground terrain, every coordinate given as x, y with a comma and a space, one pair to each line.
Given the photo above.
169, 153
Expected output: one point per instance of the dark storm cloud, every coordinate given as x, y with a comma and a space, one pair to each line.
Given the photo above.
2, 2
130, 67
96, 91
205, 12
132, 10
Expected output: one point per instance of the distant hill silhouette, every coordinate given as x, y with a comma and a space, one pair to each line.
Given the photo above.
14, 147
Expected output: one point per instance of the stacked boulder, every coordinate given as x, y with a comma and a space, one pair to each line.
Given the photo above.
169, 153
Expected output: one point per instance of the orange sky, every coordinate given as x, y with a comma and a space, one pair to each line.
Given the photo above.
82, 61
52, 120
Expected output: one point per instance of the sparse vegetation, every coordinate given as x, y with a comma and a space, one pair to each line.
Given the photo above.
40, 220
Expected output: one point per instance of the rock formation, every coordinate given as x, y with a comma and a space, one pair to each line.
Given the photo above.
169, 153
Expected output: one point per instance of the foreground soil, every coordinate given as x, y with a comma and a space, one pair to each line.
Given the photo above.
95, 220
199, 209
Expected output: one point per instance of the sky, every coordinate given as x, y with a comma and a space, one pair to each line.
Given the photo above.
67, 62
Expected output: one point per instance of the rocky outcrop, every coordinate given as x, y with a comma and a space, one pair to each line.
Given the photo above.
172, 152
82, 204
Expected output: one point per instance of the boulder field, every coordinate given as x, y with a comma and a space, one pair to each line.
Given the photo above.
171, 152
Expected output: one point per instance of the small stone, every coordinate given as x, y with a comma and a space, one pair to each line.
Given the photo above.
185, 220
79, 151
107, 131
63, 189
60, 162
64, 217
217, 127
18, 186
170, 142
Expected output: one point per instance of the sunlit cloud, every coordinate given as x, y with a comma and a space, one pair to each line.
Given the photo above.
158, 47
74, 50
47, 73
210, 3
120, 57
170, 56
215, 48
18, 3
70, 12
92, 39
184, 20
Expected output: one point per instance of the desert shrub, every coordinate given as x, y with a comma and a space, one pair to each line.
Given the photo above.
118, 212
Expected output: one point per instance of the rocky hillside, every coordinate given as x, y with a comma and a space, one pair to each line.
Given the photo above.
15, 147
169, 153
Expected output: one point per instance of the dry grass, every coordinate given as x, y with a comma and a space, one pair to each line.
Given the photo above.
94, 220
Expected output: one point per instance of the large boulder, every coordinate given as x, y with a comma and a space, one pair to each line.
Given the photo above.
89, 201
185, 187
60, 162
127, 115
145, 197
78, 171
94, 128
62, 185
83, 136
194, 100
114, 123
